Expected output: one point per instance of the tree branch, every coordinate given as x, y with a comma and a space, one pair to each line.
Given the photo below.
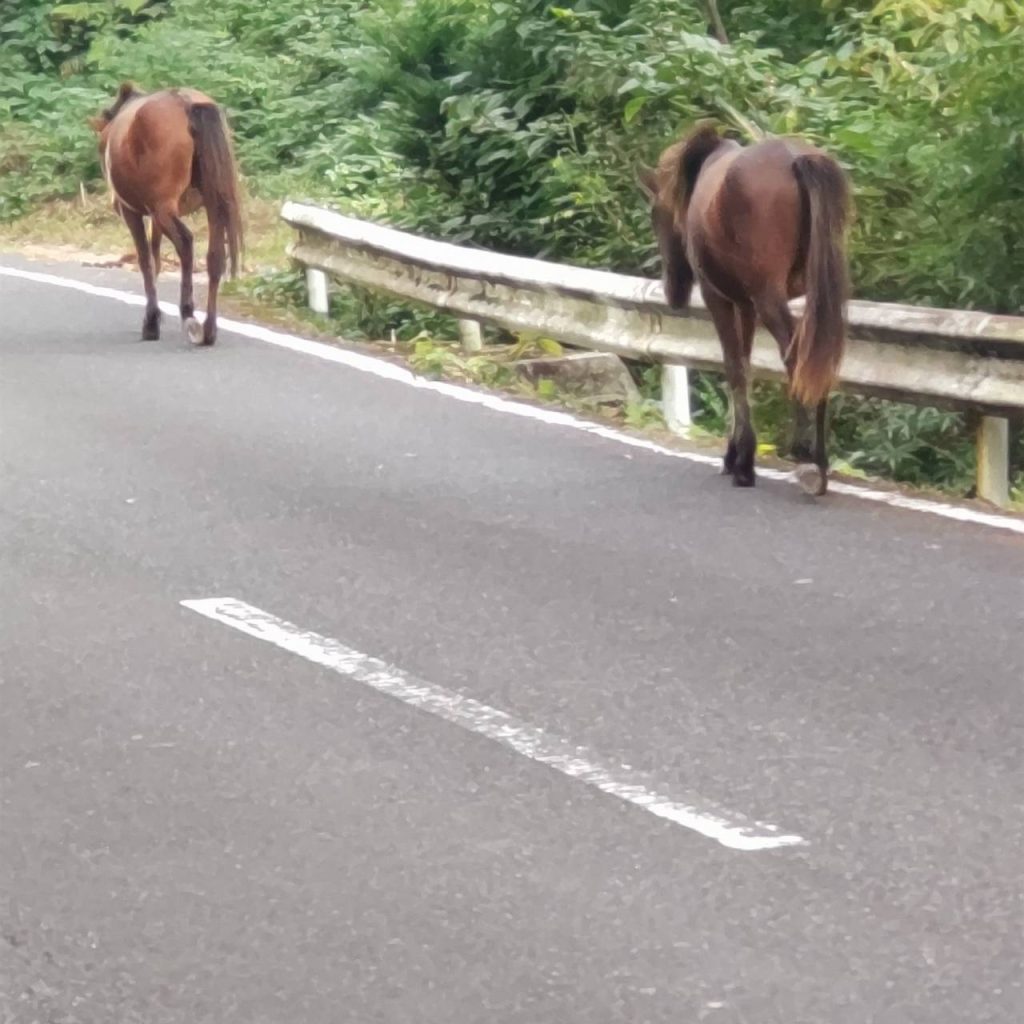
716, 21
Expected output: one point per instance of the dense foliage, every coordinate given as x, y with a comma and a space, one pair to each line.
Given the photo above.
516, 124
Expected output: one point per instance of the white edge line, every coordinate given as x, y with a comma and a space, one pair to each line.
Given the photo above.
389, 371
576, 762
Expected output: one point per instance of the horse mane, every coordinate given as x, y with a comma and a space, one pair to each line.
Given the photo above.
126, 92
683, 162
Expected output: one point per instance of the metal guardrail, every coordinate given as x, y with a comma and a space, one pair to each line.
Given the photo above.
949, 358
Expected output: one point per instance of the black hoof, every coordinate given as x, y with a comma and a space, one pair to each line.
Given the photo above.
743, 478
151, 326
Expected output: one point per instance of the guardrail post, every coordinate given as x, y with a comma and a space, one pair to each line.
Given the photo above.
994, 460
675, 398
316, 285
471, 335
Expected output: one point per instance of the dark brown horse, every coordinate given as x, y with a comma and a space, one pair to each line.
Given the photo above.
757, 226
164, 156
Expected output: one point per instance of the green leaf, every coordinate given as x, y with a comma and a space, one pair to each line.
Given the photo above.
633, 107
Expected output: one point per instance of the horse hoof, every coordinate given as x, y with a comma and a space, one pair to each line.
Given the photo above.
151, 325
811, 479
741, 479
193, 331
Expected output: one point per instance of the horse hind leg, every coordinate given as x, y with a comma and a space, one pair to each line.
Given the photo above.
820, 453
156, 235
215, 265
746, 324
809, 447
735, 327
798, 446
812, 468
137, 227
170, 224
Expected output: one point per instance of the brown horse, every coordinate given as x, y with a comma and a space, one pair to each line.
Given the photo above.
757, 226
164, 156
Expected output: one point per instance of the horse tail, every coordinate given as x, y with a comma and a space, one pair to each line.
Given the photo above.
217, 175
819, 338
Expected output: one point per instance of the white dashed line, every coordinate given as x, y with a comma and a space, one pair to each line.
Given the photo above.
730, 830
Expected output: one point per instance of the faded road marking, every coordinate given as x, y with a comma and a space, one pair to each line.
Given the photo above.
731, 830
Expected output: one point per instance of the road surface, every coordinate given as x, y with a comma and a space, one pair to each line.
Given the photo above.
472, 717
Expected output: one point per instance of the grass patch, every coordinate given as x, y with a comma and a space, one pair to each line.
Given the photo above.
88, 226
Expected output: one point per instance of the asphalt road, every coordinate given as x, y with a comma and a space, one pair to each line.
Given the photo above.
198, 826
